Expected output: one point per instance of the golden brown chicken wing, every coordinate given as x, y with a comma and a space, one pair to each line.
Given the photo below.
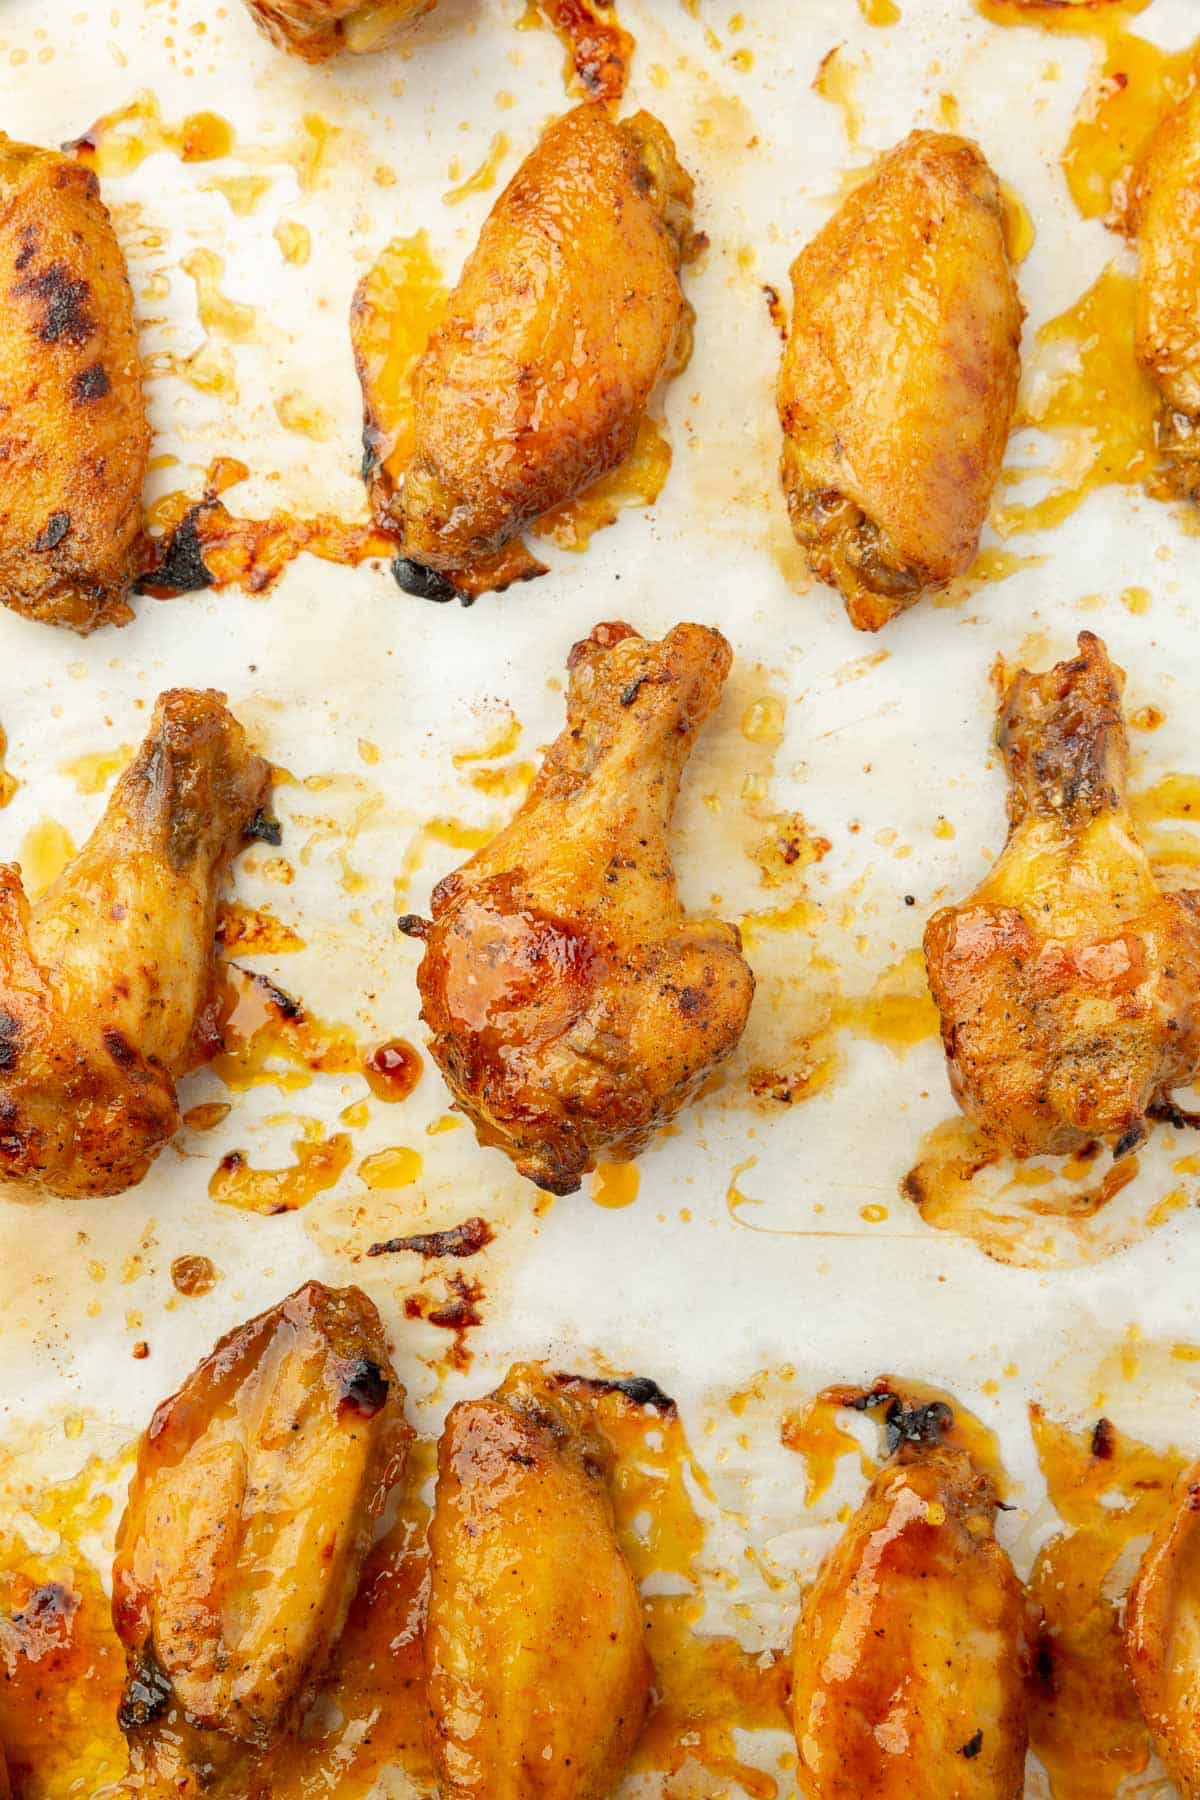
107, 980
899, 377
1165, 213
1162, 1636
574, 1006
249, 1516
911, 1659
1068, 984
317, 29
74, 441
539, 1677
567, 314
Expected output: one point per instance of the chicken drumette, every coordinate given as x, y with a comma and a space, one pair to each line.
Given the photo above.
899, 377
1162, 1636
539, 1679
567, 314
107, 981
75, 436
317, 29
1068, 984
911, 1660
248, 1519
1165, 214
574, 1006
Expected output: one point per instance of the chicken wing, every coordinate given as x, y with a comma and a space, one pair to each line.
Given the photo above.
249, 1515
911, 1659
317, 29
899, 377
568, 313
1068, 984
1165, 214
75, 439
107, 981
539, 1677
1162, 1636
574, 1006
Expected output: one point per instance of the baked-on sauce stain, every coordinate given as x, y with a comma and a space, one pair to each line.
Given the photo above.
320, 1163
392, 1069
897, 1404
1109, 1490
193, 1275
270, 1038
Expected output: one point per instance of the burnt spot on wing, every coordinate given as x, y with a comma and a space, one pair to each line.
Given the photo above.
64, 299
181, 568
10, 1037
91, 383
52, 533
362, 1388
147, 1692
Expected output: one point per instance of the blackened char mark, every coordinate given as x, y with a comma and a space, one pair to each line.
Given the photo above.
181, 568
363, 1388
147, 1692
467, 1239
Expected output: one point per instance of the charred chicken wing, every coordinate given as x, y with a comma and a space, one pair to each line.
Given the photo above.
249, 1515
1162, 1636
567, 314
74, 441
573, 1004
107, 981
899, 377
316, 29
911, 1659
1165, 214
1068, 984
539, 1677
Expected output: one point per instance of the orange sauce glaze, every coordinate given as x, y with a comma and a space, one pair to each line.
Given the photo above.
255, 931
320, 1163
598, 50
1109, 1490
393, 1069
64, 1666
270, 1038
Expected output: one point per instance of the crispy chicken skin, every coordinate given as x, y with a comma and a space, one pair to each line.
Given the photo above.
317, 29
911, 1658
249, 1515
574, 1006
539, 1679
568, 312
1162, 1636
899, 377
1165, 214
74, 440
107, 980
1068, 984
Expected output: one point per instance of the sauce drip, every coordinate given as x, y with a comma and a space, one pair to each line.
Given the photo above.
638, 481
599, 51
45, 851
615, 1185
398, 1167
120, 141
193, 1275
320, 1164
815, 1434
485, 175
398, 303
92, 773
270, 1039
8, 782
836, 81
1083, 388
393, 1069
1085, 1724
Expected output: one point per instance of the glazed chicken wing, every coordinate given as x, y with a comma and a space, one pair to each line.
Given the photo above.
567, 314
911, 1658
1162, 1636
1068, 984
1165, 214
74, 441
107, 979
539, 1677
317, 29
249, 1515
899, 377
573, 1004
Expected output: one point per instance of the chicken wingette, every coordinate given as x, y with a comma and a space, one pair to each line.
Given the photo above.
911, 1660
74, 440
899, 377
567, 314
249, 1515
1165, 215
317, 29
1069, 983
107, 980
574, 1005
1162, 1636
539, 1678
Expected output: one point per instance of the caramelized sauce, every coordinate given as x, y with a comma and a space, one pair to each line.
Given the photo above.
398, 1167
254, 931
206, 1116
192, 1275
1111, 1490
615, 1185
814, 1433
393, 1069
638, 481
205, 545
598, 50
270, 1038
320, 1164
8, 782
45, 851
398, 303
1085, 389
120, 141
485, 175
